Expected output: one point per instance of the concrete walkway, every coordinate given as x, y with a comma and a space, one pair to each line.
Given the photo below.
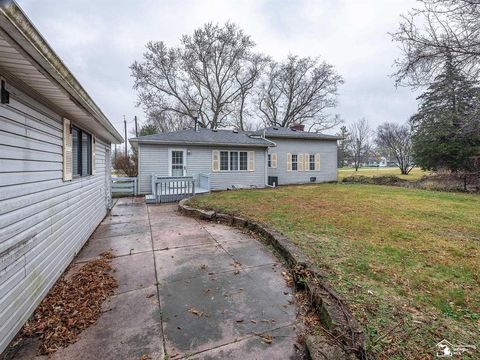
186, 289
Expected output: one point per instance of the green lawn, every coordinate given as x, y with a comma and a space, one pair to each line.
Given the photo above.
415, 174
406, 261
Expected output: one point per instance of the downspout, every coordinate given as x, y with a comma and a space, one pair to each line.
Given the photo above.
266, 168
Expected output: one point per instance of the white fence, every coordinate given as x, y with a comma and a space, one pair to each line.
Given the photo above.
124, 186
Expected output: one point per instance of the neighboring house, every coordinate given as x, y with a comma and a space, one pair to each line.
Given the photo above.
54, 168
300, 156
233, 159
237, 159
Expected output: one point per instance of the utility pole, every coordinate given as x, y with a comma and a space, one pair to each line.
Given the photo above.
125, 126
136, 126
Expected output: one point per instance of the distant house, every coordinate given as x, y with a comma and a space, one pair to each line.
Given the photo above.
238, 159
54, 168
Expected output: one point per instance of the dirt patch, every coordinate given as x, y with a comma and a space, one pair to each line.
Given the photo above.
438, 181
72, 305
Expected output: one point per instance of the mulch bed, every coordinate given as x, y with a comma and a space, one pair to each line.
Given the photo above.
72, 305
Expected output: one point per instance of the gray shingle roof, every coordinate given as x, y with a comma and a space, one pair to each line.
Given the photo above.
281, 132
206, 137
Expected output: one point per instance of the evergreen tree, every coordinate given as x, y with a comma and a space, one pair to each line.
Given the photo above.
446, 131
148, 129
343, 152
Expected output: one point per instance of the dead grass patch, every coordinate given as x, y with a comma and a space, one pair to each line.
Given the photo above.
405, 260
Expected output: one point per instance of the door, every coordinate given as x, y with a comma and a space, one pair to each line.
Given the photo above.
178, 164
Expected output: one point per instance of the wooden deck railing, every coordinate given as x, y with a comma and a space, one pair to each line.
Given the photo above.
172, 189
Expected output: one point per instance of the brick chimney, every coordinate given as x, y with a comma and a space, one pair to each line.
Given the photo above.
298, 127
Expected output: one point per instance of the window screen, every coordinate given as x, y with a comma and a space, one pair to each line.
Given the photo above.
81, 153
234, 160
224, 160
312, 162
294, 162
243, 160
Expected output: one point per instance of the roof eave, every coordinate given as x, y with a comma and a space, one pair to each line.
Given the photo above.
21, 30
196, 143
278, 136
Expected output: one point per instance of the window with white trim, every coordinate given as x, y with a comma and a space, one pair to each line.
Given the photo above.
223, 160
312, 162
233, 160
81, 153
243, 160
294, 162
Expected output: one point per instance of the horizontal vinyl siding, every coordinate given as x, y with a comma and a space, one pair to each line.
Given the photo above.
328, 160
44, 221
153, 160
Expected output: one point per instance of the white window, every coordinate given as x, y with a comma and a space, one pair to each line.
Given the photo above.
233, 161
294, 162
224, 160
312, 162
81, 153
243, 160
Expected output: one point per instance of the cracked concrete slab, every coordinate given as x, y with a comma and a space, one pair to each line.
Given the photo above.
175, 236
206, 291
117, 245
110, 230
254, 347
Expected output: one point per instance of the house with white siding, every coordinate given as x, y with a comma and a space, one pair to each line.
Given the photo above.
300, 157
54, 168
237, 159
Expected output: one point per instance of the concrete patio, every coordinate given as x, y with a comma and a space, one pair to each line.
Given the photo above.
186, 289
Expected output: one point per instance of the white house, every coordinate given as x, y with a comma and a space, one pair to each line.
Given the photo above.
54, 168
238, 159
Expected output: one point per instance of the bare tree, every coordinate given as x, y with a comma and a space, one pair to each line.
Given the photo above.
397, 140
205, 76
360, 134
298, 91
167, 121
246, 80
437, 28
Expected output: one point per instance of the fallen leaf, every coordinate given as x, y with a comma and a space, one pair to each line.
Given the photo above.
195, 312
266, 339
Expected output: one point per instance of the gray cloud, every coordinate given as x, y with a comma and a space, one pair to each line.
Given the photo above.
99, 40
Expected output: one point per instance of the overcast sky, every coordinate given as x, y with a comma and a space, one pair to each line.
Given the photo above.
98, 40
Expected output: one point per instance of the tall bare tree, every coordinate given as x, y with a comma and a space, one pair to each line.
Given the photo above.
433, 30
397, 140
360, 134
166, 121
298, 91
247, 80
203, 77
